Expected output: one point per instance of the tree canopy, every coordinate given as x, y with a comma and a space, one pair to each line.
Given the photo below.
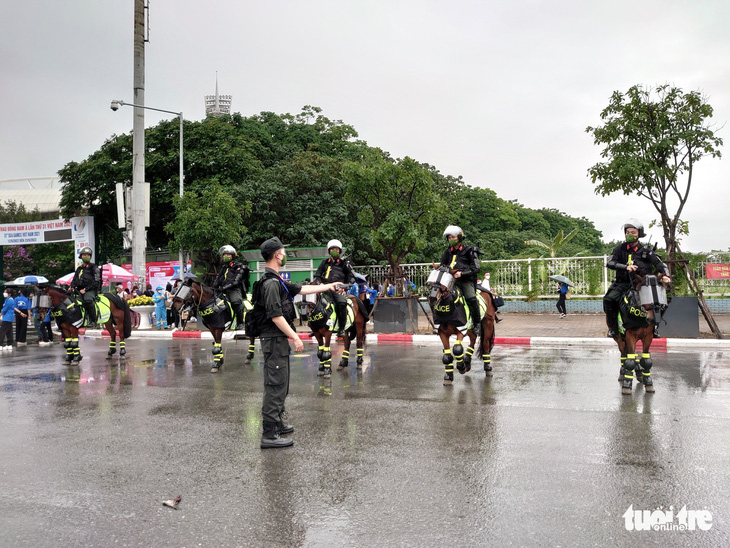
306, 179
651, 139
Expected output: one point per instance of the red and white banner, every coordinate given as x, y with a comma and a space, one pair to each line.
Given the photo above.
716, 271
160, 273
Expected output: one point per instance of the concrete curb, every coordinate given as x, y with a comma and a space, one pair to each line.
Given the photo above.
373, 338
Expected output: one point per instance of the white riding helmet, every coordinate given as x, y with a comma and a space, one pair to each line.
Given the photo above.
227, 249
334, 243
453, 230
634, 223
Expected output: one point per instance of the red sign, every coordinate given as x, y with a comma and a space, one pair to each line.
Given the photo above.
159, 273
717, 271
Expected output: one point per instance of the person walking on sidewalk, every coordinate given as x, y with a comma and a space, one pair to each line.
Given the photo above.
8, 315
275, 296
22, 313
562, 295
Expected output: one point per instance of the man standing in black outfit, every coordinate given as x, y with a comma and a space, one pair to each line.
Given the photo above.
627, 257
87, 281
276, 296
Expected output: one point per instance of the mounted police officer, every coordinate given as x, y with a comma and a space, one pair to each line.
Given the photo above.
276, 298
336, 269
87, 281
627, 257
463, 263
232, 280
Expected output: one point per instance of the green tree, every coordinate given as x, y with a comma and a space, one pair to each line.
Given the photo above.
554, 247
397, 202
651, 140
206, 220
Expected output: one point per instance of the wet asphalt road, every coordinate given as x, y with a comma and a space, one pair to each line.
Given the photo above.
547, 452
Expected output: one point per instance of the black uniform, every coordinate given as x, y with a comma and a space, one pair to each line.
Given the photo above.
233, 281
336, 270
623, 255
88, 277
464, 258
277, 295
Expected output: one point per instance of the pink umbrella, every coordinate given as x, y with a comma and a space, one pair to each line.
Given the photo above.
109, 273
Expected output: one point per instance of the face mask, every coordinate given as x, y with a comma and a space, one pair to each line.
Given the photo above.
631, 238
283, 260
86, 259
5, 295
227, 258
334, 254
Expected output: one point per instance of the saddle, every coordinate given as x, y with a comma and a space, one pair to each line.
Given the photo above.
217, 313
453, 310
324, 314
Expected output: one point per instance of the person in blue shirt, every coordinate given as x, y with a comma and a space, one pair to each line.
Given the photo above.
562, 293
22, 313
160, 299
8, 315
46, 328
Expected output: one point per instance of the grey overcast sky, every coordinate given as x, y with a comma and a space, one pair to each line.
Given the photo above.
497, 92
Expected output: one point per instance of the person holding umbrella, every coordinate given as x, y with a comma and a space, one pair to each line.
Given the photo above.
564, 285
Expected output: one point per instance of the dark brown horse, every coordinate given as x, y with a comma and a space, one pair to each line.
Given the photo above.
641, 311
68, 310
449, 312
318, 323
215, 312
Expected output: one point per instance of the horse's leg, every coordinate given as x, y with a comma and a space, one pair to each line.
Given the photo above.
447, 358
345, 360
251, 348
630, 363
621, 342
459, 353
77, 357
645, 362
217, 350
320, 351
327, 355
487, 343
361, 327
109, 325
67, 343
470, 350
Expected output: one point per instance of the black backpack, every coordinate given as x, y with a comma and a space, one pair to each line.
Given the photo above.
256, 317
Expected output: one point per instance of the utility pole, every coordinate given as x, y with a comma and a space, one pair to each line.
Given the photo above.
139, 232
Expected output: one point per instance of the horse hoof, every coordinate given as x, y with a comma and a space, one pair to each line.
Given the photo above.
650, 389
111, 352
215, 369
327, 373
448, 382
249, 356
67, 362
122, 352
343, 364
359, 361
359, 367
320, 372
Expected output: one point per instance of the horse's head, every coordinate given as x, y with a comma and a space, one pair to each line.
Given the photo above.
183, 294
441, 284
57, 293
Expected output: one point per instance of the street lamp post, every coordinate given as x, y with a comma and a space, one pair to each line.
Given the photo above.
115, 106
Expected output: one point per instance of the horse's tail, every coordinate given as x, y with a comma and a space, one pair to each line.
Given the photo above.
122, 305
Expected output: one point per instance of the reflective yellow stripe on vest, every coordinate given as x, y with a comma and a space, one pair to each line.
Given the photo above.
327, 274
453, 261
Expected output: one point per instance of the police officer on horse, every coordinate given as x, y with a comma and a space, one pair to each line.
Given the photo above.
87, 281
232, 280
463, 263
627, 257
336, 269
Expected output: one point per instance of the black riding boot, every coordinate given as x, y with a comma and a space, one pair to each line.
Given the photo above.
90, 314
341, 318
611, 310
476, 316
271, 439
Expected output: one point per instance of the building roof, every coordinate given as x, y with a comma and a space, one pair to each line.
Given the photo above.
47, 200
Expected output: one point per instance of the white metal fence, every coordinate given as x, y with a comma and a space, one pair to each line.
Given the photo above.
529, 277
